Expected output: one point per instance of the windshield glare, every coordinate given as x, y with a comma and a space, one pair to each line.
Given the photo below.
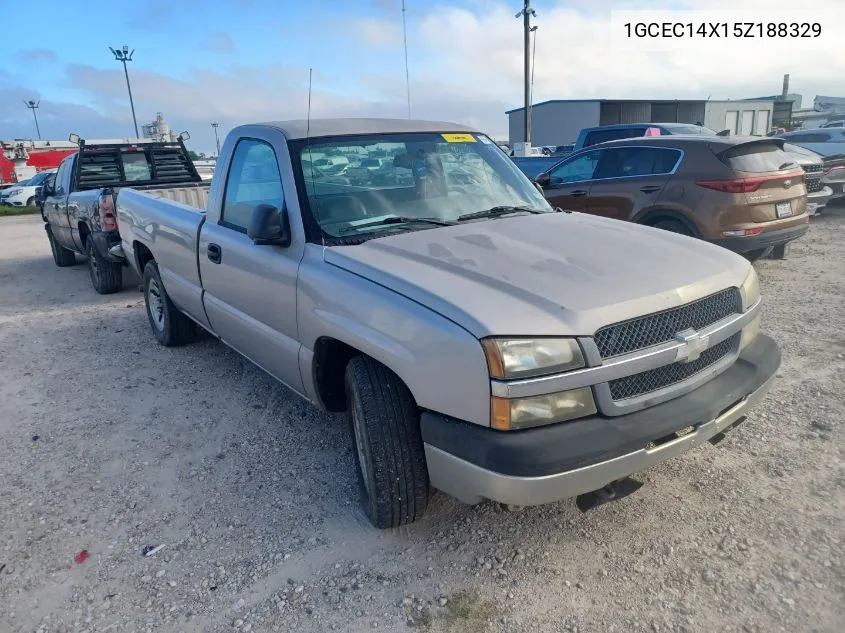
353, 183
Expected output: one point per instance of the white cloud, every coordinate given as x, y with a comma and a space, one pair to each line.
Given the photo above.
466, 65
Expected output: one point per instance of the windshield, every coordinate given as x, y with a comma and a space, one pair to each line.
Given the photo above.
416, 176
37, 179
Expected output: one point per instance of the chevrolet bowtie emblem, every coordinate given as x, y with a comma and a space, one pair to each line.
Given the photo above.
692, 344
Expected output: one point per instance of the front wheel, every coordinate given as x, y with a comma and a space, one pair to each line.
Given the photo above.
106, 276
61, 256
170, 327
389, 452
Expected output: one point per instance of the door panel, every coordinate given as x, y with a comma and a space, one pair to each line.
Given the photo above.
250, 299
55, 206
250, 290
630, 178
569, 183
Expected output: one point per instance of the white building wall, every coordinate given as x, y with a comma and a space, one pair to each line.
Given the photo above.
719, 115
554, 123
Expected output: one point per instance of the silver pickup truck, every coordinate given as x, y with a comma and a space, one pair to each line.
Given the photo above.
483, 343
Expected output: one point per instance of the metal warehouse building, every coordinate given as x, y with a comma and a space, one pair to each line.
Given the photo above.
558, 122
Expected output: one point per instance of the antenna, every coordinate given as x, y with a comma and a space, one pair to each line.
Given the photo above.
407, 76
311, 161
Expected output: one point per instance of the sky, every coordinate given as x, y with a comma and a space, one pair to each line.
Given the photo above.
239, 61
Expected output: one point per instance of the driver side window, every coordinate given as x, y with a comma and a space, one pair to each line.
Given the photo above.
576, 170
253, 179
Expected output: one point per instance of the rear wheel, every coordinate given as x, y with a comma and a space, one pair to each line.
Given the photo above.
106, 276
782, 251
61, 256
674, 226
757, 253
388, 445
170, 326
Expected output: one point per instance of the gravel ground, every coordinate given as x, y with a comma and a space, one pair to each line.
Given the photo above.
112, 443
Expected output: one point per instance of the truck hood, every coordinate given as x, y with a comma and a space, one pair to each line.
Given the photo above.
555, 274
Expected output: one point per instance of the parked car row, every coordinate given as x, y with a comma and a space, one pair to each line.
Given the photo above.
482, 341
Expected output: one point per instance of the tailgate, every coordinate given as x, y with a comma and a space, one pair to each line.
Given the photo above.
773, 184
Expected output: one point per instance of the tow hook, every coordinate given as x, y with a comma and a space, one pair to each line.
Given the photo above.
613, 491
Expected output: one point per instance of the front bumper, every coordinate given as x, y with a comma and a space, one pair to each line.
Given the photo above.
763, 240
18, 200
818, 199
565, 460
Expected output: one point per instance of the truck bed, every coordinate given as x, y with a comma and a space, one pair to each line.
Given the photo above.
193, 195
157, 220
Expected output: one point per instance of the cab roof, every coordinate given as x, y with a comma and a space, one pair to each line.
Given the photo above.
298, 129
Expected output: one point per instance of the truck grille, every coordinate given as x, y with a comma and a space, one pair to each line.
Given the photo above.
813, 177
654, 379
813, 183
660, 327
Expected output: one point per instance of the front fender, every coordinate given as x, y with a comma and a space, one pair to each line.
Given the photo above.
442, 364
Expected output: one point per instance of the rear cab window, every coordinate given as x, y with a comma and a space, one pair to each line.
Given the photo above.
612, 134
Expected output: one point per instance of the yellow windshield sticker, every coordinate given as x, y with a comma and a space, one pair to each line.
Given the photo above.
458, 138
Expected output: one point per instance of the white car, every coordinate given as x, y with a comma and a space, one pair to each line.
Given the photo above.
23, 193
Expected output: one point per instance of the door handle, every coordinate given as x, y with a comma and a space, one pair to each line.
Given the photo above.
650, 188
578, 192
214, 253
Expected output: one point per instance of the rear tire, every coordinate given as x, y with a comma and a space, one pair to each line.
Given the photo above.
781, 252
673, 226
106, 276
389, 454
757, 253
61, 256
169, 325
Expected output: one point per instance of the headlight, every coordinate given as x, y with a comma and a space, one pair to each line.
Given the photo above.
750, 289
13, 192
524, 358
523, 413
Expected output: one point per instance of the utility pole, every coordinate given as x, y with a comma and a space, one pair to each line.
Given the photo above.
215, 125
32, 104
125, 55
526, 14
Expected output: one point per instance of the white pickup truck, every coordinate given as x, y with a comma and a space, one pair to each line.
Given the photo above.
483, 343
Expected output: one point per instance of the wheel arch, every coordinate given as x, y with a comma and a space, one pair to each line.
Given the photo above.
653, 216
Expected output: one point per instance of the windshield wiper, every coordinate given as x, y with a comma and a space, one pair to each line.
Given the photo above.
495, 212
786, 164
396, 219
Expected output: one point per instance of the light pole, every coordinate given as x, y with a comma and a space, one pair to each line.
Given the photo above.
32, 104
215, 125
526, 14
125, 55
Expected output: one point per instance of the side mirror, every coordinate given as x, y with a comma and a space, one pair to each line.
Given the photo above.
269, 226
542, 180
44, 190
723, 133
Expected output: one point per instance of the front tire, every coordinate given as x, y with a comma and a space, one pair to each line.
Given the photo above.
389, 454
61, 256
170, 326
106, 276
